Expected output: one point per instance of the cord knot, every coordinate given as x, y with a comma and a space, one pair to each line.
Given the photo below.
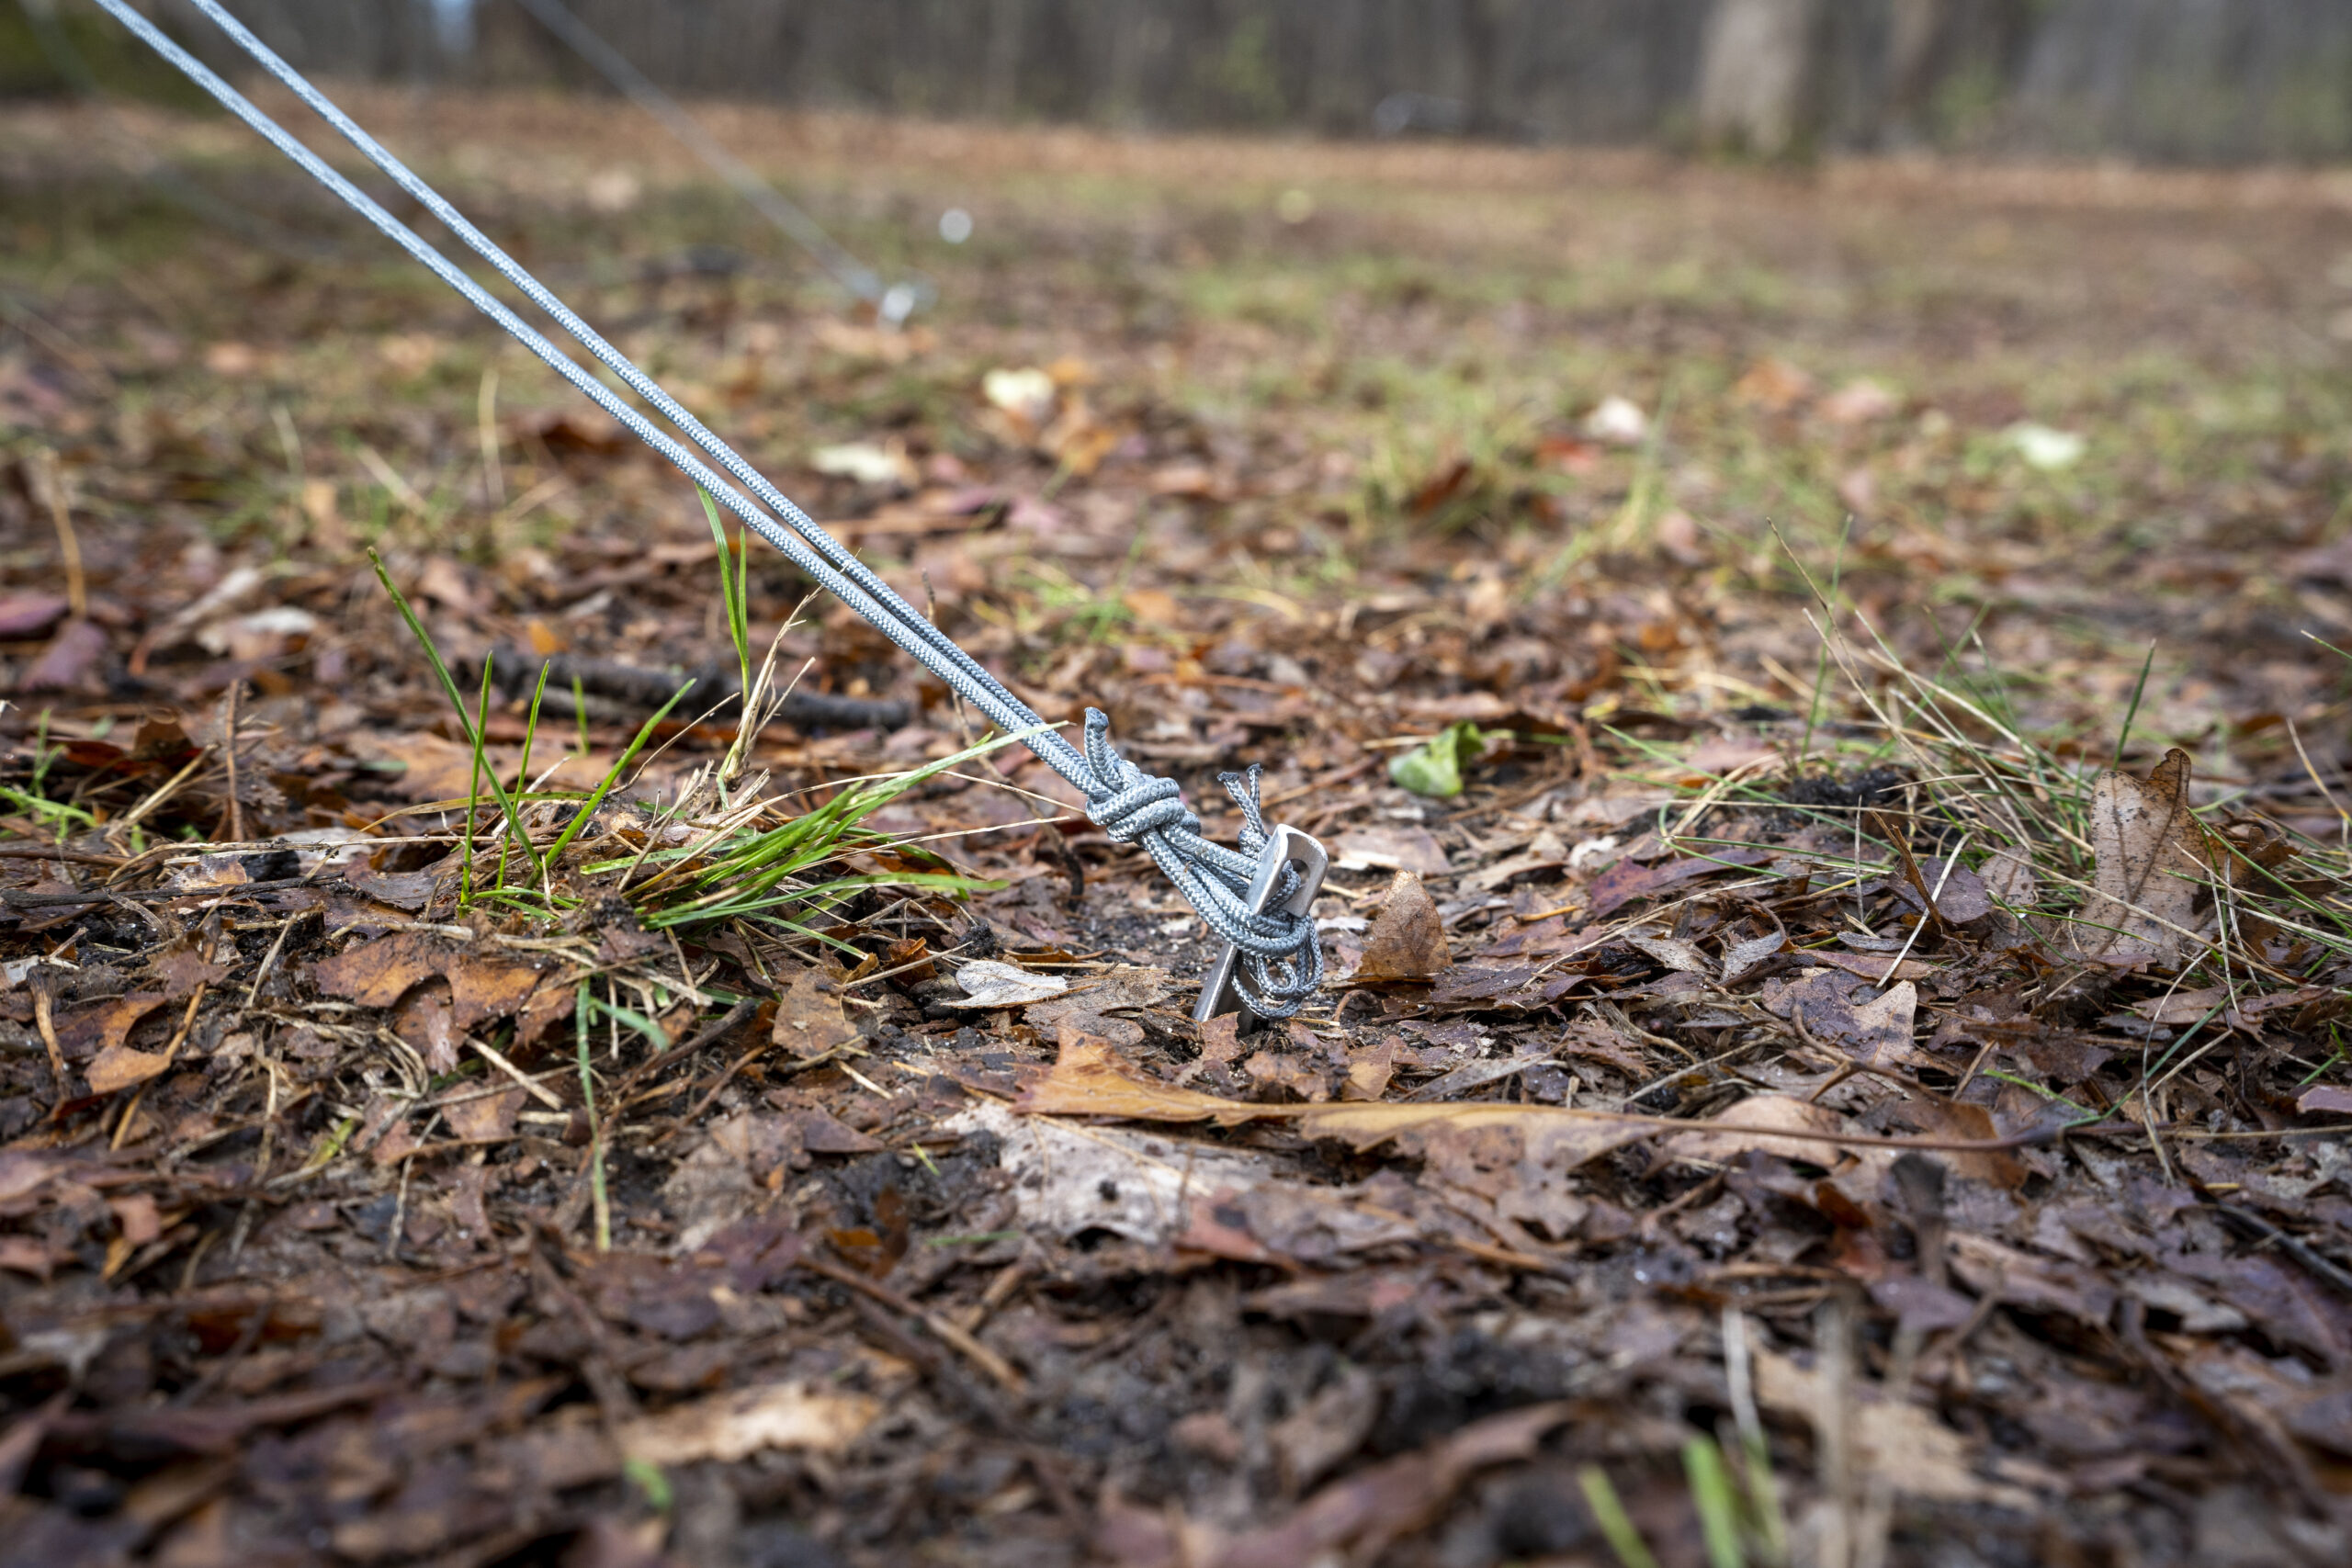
1281, 957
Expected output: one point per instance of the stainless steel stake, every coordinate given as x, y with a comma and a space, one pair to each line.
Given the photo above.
1286, 845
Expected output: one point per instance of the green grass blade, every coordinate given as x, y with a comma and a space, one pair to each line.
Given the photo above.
605, 785
635, 1019
1718, 1504
2139, 688
732, 584
523, 772
456, 703
473, 784
1610, 1515
582, 1014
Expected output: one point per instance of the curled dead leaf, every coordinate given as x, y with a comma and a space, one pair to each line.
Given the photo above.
1407, 941
2149, 867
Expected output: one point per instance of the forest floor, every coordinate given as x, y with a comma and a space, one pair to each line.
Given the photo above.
1838, 1058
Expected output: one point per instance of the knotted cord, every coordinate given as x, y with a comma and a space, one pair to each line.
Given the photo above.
1282, 961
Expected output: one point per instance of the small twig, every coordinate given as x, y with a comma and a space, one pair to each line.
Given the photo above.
44, 984
269, 959
1833, 1418
710, 1035
170, 1052
538, 1090
131, 819
69, 543
229, 748
400, 1212
14, 899
1969, 1077
946, 1332
2300, 1251
1651, 1221
44, 851
725, 1077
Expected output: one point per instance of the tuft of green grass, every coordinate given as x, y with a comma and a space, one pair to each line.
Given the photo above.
756, 860
753, 867
1995, 793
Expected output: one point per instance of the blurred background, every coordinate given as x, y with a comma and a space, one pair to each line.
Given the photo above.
1523, 350
2195, 80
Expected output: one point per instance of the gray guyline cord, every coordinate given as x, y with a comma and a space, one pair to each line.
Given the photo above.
895, 303
1280, 960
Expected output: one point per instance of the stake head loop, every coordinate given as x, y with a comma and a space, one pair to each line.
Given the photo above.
1284, 846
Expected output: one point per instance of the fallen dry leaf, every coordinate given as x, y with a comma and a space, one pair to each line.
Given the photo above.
1066, 1178
1876, 1032
378, 973
105, 1026
1961, 895
1751, 1124
1877, 966
1559, 1136
119, 1066
989, 983
1369, 1069
1859, 402
28, 614
1917, 1454
1742, 959
2182, 1006
1390, 849
1674, 954
68, 658
2008, 877
486, 1119
1123, 987
1628, 880
1367, 1510
1773, 385
2148, 867
1407, 941
809, 1016
736, 1425
1087, 1080
1510, 987
432, 768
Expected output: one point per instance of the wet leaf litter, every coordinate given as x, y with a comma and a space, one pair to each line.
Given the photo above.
1918, 1082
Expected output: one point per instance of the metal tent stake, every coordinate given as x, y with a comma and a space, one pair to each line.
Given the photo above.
1286, 845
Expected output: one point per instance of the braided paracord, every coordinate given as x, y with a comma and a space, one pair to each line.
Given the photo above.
1137, 807
1129, 805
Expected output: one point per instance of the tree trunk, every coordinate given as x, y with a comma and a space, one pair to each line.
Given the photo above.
1756, 74
1914, 30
